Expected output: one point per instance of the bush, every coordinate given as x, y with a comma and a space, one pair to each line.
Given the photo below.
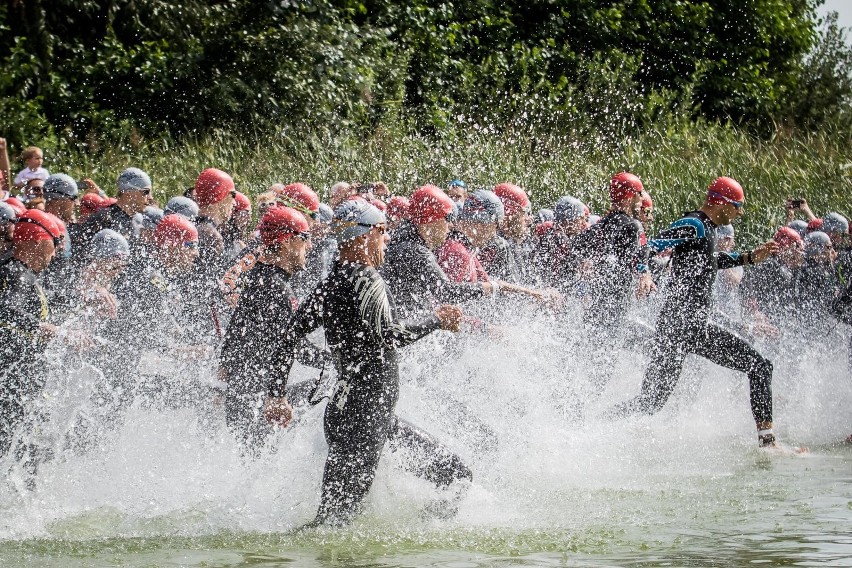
98, 72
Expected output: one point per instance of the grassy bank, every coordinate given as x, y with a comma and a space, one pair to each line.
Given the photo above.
676, 161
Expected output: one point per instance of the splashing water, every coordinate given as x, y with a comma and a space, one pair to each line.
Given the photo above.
552, 484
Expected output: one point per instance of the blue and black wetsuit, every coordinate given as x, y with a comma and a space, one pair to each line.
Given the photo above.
683, 327
356, 310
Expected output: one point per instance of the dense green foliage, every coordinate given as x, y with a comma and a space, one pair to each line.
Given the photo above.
94, 71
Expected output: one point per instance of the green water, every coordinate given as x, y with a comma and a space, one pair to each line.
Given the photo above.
774, 510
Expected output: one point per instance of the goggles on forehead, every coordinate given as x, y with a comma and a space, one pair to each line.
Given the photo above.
737, 204
293, 204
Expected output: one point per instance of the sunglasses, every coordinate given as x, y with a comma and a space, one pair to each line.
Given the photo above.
737, 204
57, 241
191, 244
304, 235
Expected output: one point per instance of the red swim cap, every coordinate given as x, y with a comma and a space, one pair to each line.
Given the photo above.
398, 207
174, 229
623, 186
15, 204
36, 225
647, 202
513, 197
787, 237
429, 203
241, 202
281, 223
212, 186
723, 190
543, 228
814, 225
90, 203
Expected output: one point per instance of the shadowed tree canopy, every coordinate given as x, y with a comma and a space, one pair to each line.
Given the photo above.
87, 68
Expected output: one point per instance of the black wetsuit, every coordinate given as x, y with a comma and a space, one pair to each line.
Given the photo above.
844, 265
506, 259
203, 283
317, 263
768, 288
415, 278
683, 328
254, 351
112, 217
557, 260
355, 308
842, 307
153, 315
815, 289
23, 308
61, 274
139, 264
615, 247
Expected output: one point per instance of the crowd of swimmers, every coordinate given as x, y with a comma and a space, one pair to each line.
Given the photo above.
216, 279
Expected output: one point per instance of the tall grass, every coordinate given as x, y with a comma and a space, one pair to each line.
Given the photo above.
676, 160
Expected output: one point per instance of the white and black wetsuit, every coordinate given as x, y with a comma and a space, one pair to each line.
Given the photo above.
354, 307
683, 328
255, 351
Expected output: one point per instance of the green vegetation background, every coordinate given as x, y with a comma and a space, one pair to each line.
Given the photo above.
552, 94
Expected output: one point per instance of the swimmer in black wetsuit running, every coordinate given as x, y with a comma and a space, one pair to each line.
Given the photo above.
682, 326
266, 307
356, 310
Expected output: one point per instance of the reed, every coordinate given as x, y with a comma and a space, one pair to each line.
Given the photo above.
675, 160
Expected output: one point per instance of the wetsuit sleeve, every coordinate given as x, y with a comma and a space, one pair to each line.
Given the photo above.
306, 319
842, 307
682, 231
13, 315
729, 259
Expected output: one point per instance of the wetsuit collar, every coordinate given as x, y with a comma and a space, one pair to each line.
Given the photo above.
407, 232
703, 216
283, 272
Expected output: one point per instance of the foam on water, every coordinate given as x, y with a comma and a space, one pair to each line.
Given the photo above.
507, 405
